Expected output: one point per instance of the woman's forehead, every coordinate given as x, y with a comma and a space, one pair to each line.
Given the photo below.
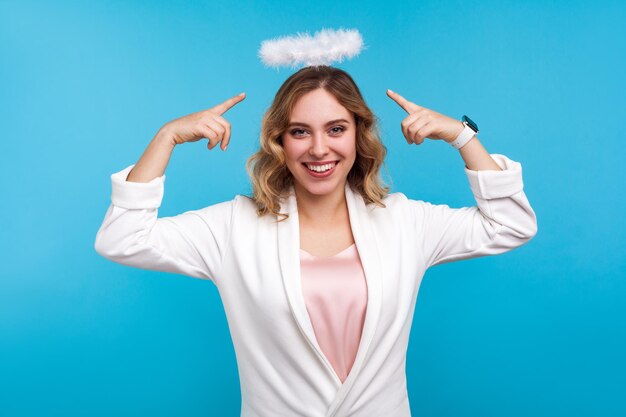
318, 110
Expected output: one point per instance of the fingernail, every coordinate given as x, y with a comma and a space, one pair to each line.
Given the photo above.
390, 90
241, 94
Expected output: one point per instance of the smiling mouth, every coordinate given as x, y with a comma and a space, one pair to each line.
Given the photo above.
317, 163
329, 166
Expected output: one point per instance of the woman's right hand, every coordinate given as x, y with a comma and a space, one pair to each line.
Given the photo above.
204, 124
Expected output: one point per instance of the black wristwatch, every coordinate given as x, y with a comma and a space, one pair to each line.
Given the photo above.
469, 122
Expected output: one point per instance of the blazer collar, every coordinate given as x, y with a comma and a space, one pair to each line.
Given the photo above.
288, 232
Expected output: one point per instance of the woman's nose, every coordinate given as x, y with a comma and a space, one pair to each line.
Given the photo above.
319, 145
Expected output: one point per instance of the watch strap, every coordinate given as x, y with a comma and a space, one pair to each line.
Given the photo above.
466, 134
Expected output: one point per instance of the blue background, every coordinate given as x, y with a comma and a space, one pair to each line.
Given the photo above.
84, 86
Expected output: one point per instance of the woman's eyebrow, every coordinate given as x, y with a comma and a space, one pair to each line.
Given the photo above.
327, 123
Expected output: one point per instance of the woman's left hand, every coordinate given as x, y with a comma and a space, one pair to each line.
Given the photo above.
424, 123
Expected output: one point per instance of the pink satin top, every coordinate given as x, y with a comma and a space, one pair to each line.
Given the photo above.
335, 292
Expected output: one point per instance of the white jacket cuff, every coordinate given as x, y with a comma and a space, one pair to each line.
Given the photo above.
136, 195
488, 184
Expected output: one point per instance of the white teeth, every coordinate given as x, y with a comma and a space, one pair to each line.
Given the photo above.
321, 168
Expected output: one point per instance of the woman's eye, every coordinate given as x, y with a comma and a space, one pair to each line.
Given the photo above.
336, 129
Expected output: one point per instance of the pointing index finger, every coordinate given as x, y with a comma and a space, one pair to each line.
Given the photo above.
228, 104
402, 102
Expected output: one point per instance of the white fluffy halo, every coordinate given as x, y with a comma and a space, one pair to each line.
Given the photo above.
324, 48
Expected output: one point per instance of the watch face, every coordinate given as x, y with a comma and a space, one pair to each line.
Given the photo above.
471, 123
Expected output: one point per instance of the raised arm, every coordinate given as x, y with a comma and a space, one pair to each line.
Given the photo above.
502, 218
191, 128
192, 243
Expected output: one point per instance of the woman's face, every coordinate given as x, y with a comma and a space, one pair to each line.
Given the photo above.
321, 133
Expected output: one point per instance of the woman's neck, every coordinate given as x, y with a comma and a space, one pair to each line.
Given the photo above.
321, 209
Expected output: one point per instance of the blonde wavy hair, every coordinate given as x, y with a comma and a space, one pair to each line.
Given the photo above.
267, 168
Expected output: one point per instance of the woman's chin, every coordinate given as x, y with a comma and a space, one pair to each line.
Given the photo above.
319, 188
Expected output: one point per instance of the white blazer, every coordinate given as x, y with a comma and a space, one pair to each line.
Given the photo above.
255, 264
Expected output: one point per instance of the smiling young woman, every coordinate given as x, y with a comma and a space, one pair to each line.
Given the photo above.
319, 269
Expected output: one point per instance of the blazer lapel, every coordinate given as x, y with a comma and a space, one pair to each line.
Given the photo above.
288, 232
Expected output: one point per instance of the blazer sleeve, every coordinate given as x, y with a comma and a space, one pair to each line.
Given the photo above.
502, 219
192, 243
